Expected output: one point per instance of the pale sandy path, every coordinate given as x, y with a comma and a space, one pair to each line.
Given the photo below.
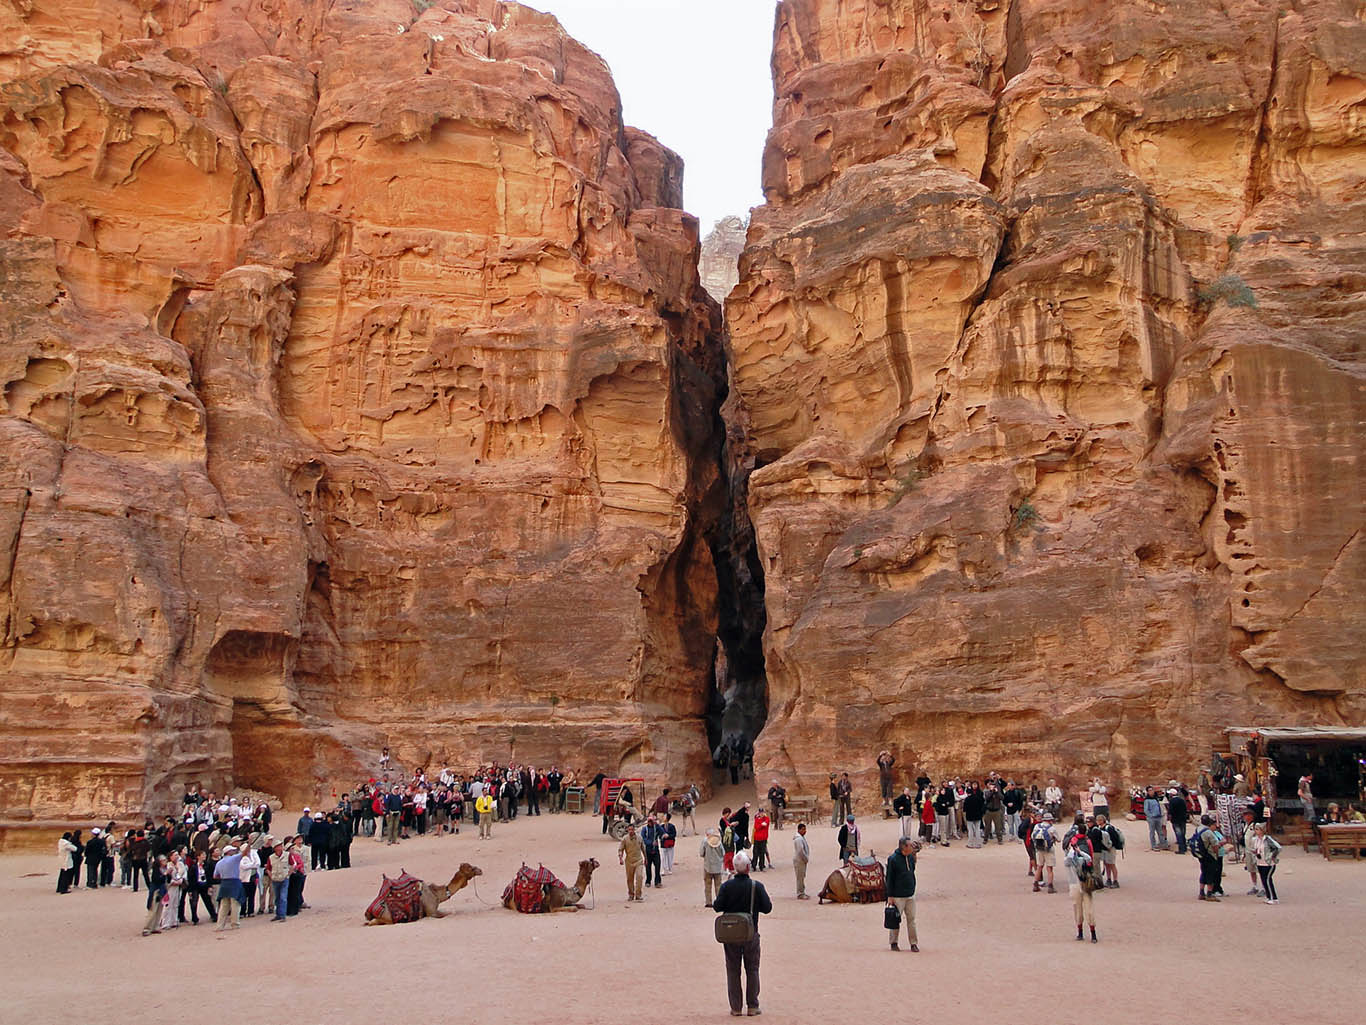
622, 963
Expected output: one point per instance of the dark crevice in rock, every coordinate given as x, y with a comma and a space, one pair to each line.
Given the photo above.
737, 705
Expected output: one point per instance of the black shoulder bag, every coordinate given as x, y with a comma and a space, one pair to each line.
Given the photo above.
736, 926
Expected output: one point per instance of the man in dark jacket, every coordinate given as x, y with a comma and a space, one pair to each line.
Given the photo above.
94, 858
974, 809
1177, 811
319, 839
1014, 800
743, 895
904, 806
650, 837
901, 889
305, 824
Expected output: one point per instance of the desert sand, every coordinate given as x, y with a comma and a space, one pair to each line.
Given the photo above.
989, 946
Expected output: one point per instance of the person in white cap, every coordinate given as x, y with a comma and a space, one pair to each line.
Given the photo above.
227, 873
743, 895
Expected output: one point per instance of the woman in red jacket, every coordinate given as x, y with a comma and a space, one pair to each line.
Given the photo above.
927, 820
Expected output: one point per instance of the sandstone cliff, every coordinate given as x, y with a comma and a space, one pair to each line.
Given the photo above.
1048, 343
719, 263
359, 390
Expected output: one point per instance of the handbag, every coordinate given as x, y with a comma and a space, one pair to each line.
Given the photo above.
891, 917
736, 926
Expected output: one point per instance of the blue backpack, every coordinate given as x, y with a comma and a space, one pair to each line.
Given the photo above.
1196, 844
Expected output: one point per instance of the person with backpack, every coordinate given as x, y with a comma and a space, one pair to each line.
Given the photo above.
1041, 839
1080, 862
1208, 845
1111, 841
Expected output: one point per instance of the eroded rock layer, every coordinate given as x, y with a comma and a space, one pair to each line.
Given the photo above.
1048, 343
359, 390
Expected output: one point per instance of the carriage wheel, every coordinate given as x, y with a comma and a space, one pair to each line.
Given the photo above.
617, 830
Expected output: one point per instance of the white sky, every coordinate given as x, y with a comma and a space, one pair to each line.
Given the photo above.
694, 74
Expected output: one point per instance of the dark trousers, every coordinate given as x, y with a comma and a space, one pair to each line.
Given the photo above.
761, 861
1179, 828
140, 870
1266, 872
295, 899
344, 857
196, 895
107, 870
249, 897
92, 874
749, 954
317, 858
64, 877
533, 803
652, 864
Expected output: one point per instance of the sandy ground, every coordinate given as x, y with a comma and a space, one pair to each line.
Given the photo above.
989, 946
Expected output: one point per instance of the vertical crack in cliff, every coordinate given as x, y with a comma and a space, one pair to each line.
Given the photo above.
737, 702
1261, 147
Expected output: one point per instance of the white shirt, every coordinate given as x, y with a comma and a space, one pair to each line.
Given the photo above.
1098, 796
476, 790
1053, 795
801, 850
249, 866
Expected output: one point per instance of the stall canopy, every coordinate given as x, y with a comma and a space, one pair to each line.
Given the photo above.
1296, 733
1335, 755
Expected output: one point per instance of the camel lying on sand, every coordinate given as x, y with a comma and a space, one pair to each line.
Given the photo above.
407, 899
556, 896
861, 881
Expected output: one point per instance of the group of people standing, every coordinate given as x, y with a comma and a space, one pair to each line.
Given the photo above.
218, 855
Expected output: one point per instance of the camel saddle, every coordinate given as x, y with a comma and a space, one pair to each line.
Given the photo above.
529, 887
867, 880
402, 896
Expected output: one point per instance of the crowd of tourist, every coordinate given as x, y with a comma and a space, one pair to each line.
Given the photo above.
218, 854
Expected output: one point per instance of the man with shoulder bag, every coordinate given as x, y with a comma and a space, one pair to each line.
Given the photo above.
740, 903
901, 893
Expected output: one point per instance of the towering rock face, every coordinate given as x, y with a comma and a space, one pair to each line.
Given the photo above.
721, 248
1048, 341
359, 391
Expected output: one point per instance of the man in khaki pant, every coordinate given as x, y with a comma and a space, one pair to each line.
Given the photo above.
901, 890
801, 855
631, 853
713, 864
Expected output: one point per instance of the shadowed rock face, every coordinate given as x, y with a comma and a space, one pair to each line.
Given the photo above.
359, 390
1048, 347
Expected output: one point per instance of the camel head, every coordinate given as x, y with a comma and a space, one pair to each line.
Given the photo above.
462, 878
586, 873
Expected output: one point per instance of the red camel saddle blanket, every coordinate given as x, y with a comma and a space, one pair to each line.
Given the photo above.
866, 876
527, 890
402, 896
